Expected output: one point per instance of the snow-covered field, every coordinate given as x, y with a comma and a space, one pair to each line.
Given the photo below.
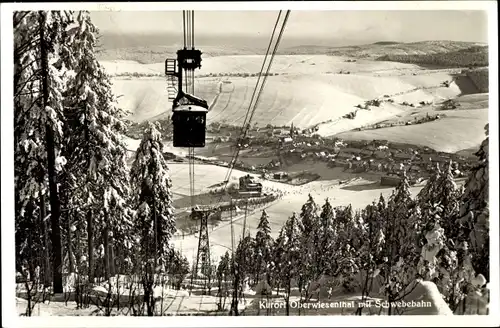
292, 64
310, 91
460, 129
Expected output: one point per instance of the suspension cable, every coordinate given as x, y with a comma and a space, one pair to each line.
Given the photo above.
260, 75
188, 31
245, 122
251, 111
184, 26
188, 27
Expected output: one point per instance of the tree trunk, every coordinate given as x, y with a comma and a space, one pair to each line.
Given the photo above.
51, 157
234, 302
106, 247
70, 246
112, 268
45, 228
287, 296
156, 235
90, 244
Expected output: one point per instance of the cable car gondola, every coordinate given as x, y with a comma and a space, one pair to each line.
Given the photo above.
189, 113
189, 121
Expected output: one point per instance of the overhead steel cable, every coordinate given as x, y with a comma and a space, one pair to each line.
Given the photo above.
269, 67
251, 111
260, 73
249, 115
188, 31
245, 122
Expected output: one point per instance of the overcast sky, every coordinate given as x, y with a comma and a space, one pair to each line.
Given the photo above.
404, 26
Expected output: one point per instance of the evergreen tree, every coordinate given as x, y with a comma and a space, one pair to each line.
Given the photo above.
309, 216
429, 192
309, 220
155, 220
38, 86
223, 273
371, 249
327, 240
30, 179
474, 210
429, 205
177, 267
263, 247
289, 265
245, 257
241, 268
345, 264
95, 148
448, 193
401, 257
153, 197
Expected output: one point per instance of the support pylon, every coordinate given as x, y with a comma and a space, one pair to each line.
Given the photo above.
203, 261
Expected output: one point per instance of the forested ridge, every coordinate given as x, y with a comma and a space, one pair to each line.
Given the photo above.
476, 56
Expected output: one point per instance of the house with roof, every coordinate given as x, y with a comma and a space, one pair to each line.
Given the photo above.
344, 155
366, 152
381, 154
403, 156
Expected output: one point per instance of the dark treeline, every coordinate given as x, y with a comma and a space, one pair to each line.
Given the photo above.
471, 57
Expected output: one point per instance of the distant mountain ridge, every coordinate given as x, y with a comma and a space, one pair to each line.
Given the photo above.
382, 48
152, 50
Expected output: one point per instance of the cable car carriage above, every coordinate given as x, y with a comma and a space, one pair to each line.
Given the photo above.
189, 113
189, 121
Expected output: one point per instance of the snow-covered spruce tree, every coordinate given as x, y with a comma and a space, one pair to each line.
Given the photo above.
449, 195
370, 232
245, 257
327, 235
343, 264
263, 249
474, 211
445, 257
177, 267
241, 269
442, 195
309, 216
95, 148
155, 215
429, 191
310, 225
38, 43
30, 183
223, 274
402, 255
289, 264
453, 273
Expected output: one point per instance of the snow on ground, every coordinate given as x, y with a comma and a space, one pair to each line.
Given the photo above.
460, 129
294, 64
282, 209
147, 98
424, 299
310, 92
